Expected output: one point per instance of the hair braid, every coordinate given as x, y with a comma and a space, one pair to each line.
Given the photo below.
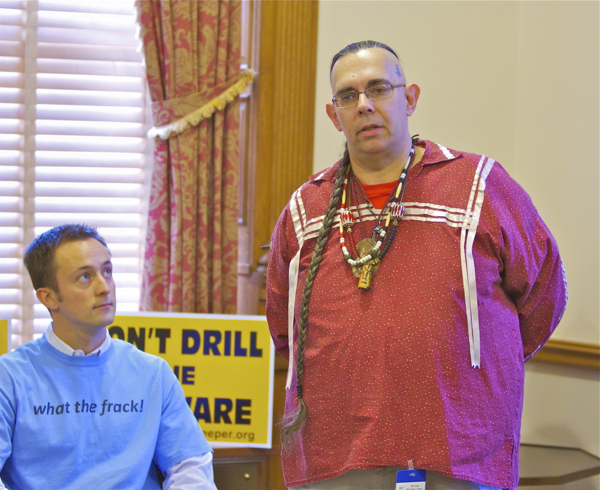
295, 420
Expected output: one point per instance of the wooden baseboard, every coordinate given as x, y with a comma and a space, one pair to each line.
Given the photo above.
573, 354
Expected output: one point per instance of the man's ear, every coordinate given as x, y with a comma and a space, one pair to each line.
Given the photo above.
333, 116
48, 298
412, 96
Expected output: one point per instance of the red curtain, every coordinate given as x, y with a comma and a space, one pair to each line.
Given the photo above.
192, 50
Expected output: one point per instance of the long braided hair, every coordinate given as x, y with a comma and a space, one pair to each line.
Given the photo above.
293, 422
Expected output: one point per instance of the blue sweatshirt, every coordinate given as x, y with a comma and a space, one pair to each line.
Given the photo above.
91, 422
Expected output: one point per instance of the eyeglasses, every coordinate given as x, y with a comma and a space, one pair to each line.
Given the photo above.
376, 92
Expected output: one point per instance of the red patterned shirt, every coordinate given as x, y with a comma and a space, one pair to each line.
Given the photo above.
472, 277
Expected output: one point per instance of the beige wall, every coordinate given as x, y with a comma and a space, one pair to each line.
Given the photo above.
518, 81
557, 143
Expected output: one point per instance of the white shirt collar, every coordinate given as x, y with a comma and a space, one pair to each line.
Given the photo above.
61, 346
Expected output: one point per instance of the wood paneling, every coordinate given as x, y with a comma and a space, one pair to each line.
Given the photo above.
572, 354
286, 100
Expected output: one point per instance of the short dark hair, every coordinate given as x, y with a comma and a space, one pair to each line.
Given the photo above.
359, 46
39, 257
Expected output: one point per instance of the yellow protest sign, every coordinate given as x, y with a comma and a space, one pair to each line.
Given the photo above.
5, 335
224, 364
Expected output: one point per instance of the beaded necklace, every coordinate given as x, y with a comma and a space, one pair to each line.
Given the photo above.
370, 251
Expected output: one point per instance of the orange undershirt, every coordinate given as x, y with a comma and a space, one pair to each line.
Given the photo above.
378, 193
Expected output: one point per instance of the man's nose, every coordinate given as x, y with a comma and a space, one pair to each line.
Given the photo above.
102, 284
364, 103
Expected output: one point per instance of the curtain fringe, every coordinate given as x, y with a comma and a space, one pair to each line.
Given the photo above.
205, 111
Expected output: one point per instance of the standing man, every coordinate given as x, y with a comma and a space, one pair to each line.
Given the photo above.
407, 285
79, 410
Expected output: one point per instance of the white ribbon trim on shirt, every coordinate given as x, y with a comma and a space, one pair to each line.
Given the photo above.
298, 214
467, 238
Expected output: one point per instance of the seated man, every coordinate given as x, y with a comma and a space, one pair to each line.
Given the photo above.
79, 410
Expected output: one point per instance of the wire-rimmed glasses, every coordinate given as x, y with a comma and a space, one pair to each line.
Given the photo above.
349, 98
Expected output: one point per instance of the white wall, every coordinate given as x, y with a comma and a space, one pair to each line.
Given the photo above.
518, 81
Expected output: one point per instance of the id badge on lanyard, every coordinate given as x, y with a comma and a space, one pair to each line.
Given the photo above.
411, 479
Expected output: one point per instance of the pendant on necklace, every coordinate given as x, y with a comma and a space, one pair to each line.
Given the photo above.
366, 271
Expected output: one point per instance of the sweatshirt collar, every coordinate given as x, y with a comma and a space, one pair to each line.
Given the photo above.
61, 346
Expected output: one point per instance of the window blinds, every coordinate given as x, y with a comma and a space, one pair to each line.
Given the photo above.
72, 140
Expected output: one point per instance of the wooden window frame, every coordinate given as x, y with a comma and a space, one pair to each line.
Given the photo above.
277, 129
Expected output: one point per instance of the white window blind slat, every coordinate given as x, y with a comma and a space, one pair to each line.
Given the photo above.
12, 95
11, 157
93, 67
120, 235
12, 4
14, 126
10, 173
90, 143
11, 111
89, 37
10, 296
99, 220
89, 113
12, 80
12, 265
10, 205
94, 24
8, 188
12, 311
87, 205
9, 33
105, 7
11, 142
87, 52
10, 280
12, 235
119, 190
96, 97
11, 63
12, 13
40, 313
125, 265
87, 82
11, 219
89, 128
114, 236
9, 250
92, 159
126, 280
102, 175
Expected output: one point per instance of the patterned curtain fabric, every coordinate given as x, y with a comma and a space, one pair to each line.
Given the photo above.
192, 50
